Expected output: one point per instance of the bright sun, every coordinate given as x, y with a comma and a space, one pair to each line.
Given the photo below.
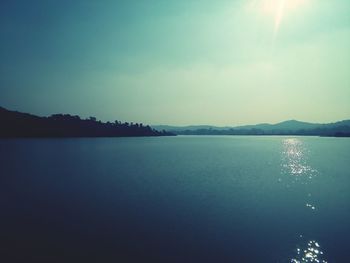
278, 9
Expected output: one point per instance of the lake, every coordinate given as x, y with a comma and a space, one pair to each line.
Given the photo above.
175, 199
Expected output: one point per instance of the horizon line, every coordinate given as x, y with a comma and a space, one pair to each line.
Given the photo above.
187, 125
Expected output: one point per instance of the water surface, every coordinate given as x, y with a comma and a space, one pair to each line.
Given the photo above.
175, 199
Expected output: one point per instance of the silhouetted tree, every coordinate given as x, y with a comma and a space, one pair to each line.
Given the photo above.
16, 124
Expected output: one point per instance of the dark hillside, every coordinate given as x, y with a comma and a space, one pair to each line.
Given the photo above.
17, 124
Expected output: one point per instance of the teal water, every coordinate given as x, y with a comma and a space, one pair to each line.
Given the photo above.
175, 199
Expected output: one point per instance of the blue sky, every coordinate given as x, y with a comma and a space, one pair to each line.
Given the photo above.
178, 62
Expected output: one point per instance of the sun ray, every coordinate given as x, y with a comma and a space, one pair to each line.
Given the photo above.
277, 9
279, 16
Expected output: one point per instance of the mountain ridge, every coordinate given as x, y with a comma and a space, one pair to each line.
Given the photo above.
339, 128
18, 124
248, 126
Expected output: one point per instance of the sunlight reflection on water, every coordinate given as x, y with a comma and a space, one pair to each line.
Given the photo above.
311, 252
295, 169
294, 157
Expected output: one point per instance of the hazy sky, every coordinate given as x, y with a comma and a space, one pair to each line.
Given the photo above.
177, 62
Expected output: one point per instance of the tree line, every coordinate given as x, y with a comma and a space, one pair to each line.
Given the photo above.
17, 124
338, 131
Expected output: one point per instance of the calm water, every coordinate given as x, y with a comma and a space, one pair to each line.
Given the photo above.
175, 199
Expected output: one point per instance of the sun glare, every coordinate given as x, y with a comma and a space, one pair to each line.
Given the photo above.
278, 9
273, 6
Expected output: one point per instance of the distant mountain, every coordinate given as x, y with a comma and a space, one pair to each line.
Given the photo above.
290, 127
285, 125
17, 124
190, 127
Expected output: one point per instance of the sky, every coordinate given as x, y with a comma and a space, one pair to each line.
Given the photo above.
178, 62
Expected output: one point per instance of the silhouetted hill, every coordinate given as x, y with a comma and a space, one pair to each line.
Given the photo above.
189, 127
17, 124
290, 127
